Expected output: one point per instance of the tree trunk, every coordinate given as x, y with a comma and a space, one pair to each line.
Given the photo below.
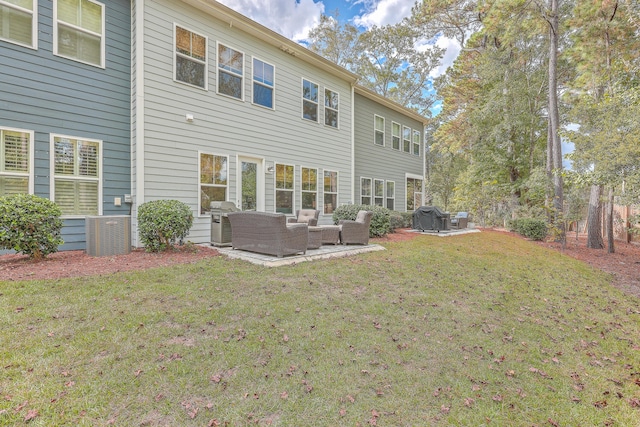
610, 236
594, 219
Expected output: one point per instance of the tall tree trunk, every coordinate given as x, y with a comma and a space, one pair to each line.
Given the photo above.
610, 235
594, 219
554, 118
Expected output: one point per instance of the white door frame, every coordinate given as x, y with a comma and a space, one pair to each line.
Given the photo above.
260, 184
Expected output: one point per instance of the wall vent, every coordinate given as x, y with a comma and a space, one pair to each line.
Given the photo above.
108, 235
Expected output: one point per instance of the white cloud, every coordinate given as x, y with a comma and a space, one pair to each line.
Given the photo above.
383, 12
292, 19
452, 50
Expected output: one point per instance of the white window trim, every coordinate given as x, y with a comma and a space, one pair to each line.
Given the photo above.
373, 191
262, 84
303, 99
337, 192
375, 130
399, 136
34, 24
337, 110
200, 184
302, 191
205, 62
52, 168
30, 174
219, 70
102, 36
275, 189
408, 176
387, 198
415, 132
362, 178
403, 140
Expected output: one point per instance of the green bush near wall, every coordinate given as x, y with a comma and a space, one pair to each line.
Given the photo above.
30, 225
380, 222
531, 228
162, 223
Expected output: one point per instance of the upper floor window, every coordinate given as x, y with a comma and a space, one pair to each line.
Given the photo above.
378, 130
15, 161
230, 71
79, 30
213, 180
19, 22
406, 139
77, 173
284, 188
330, 191
395, 135
191, 58
416, 142
331, 102
309, 188
309, 100
365, 191
263, 80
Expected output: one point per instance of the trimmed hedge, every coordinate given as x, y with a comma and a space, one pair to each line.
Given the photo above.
531, 228
162, 223
30, 225
380, 222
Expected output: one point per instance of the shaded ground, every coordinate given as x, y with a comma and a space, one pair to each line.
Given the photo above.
624, 264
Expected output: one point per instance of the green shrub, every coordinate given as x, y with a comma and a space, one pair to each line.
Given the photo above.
531, 228
380, 222
401, 220
30, 225
161, 223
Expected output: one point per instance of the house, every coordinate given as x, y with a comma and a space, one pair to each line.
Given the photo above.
107, 105
65, 102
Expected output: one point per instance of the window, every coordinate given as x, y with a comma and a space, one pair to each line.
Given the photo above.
309, 100
406, 139
16, 154
309, 188
416, 142
19, 22
79, 30
284, 188
365, 191
331, 102
76, 175
391, 195
191, 58
330, 191
230, 74
378, 192
263, 79
378, 130
213, 180
395, 135
414, 193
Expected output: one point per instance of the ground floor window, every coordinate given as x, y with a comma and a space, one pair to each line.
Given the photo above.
391, 195
365, 191
213, 180
414, 193
77, 172
330, 191
378, 191
15, 161
309, 188
284, 188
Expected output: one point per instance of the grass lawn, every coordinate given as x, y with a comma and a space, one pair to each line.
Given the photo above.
473, 330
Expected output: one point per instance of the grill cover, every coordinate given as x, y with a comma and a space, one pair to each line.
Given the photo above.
430, 218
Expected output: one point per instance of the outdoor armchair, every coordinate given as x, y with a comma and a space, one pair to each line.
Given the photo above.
306, 216
460, 220
356, 232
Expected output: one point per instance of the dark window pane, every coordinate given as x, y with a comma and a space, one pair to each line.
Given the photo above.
310, 111
189, 71
230, 85
262, 95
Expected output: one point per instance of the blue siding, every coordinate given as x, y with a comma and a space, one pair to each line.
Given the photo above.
49, 94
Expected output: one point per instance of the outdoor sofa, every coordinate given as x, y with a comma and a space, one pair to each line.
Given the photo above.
267, 233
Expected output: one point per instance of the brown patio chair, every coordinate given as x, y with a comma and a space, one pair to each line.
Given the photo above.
305, 216
356, 232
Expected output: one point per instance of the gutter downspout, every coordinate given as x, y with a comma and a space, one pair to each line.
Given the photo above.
139, 112
353, 144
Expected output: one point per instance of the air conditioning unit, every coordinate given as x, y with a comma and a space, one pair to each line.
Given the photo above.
108, 235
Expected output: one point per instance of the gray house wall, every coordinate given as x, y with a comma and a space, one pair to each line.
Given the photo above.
49, 94
383, 162
170, 145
